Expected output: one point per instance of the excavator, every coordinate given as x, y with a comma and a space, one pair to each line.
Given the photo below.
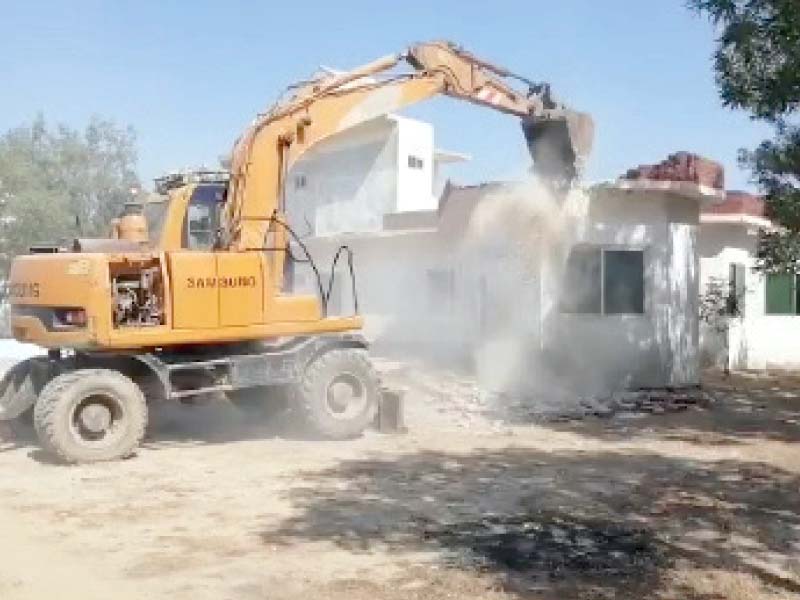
195, 300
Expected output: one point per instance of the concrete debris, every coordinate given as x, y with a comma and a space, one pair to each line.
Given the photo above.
456, 399
626, 404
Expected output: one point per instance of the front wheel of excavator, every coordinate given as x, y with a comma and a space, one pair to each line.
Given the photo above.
338, 394
90, 415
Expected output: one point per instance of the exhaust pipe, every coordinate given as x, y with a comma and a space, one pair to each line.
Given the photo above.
559, 141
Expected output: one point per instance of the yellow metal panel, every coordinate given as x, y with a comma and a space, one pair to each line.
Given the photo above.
54, 279
294, 309
241, 288
195, 294
161, 336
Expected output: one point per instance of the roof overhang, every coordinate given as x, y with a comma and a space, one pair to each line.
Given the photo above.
736, 219
705, 195
448, 156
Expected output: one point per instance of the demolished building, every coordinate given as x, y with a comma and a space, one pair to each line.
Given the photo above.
601, 300
622, 312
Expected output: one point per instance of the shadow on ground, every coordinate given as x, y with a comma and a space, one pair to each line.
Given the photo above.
174, 424
586, 525
213, 422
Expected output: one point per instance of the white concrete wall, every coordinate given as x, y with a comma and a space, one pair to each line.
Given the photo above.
350, 182
414, 185
755, 340
659, 347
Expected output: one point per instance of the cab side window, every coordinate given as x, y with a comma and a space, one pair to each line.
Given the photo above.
199, 231
202, 218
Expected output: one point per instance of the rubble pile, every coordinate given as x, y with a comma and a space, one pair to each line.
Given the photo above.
682, 166
458, 400
636, 402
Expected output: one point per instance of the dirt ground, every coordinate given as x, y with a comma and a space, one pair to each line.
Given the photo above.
700, 504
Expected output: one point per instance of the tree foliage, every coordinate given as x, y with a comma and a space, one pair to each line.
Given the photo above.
757, 64
57, 183
758, 54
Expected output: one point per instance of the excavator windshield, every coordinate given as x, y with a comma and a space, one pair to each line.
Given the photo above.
203, 216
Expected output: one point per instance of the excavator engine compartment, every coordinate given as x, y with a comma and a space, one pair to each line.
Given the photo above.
137, 294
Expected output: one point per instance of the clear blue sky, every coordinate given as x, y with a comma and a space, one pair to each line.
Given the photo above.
190, 75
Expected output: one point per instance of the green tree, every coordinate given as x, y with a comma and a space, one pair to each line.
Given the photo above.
57, 183
757, 64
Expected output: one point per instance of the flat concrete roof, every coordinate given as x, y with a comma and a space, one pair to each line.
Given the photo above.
704, 194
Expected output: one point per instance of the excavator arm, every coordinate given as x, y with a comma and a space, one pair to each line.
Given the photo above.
559, 139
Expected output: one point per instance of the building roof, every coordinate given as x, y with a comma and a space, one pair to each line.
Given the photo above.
739, 203
738, 208
448, 156
706, 195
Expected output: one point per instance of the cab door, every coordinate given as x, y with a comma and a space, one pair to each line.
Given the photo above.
213, 288
193, 269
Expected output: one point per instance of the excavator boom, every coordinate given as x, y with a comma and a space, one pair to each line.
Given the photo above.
558, 138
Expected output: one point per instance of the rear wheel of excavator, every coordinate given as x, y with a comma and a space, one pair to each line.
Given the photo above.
90, 415
338, 394
19, 388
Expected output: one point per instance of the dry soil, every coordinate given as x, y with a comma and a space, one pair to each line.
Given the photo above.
701, 504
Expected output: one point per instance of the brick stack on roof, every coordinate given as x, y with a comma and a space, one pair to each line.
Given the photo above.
682, 166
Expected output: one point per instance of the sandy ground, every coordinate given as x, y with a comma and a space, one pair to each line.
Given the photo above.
700, 504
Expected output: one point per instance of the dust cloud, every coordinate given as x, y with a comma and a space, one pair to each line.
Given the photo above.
538, 227
485, 301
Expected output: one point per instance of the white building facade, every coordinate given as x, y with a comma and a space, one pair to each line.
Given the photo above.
762, 328
349, 182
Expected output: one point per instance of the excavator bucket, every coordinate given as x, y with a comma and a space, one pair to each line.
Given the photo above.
559, 143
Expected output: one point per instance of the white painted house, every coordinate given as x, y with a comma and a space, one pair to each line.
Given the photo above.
764, 328
350, 181
610, 300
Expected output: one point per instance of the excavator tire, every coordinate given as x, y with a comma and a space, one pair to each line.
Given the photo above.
19, 390
90, 415
338, 394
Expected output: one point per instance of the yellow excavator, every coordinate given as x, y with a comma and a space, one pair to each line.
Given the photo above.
189, 296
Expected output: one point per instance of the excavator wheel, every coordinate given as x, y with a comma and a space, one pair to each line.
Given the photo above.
19, 388
338, 394
90, 415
